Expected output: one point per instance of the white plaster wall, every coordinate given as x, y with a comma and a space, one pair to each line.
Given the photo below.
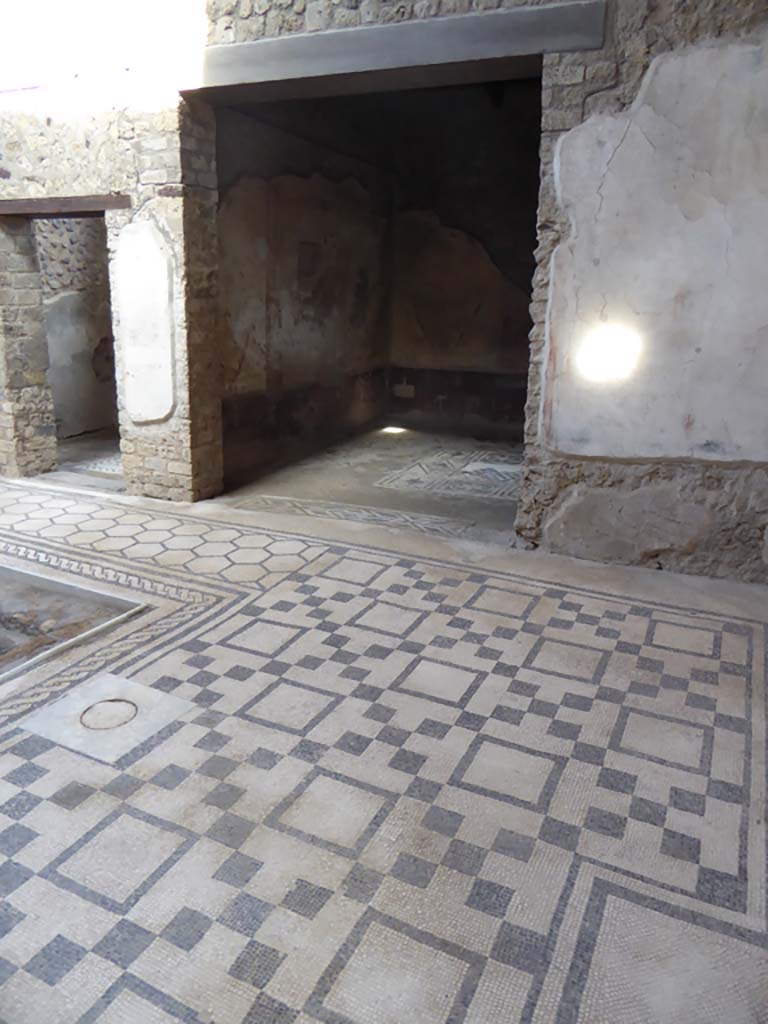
668, 206
80, 368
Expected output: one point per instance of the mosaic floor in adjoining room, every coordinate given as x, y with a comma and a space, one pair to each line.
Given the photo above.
384, 783
407, 479
91, 461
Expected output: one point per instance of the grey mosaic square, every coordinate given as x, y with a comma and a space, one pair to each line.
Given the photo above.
353, 743
464, 857
616, 781
431, 727
238, 869
170, 777
7, 970
362, 883
26, 774
212, 741
124, 943
413, 870
55, 960
681, 846
123, 786
307, 750
267, 1010
380, 713
648, 811
521, 948
306, 899
12, 875
423, 789
559, 833
256, 964
513, 844
489, 897
20, 805
726, 791
15, 838
265, 759
440, 820
72, 795
720, 889
685, 800
187, 928
408, 761
9, 918
605, 822
224, 796
217, 767
246, 914
31, 747
231, 830
393, 736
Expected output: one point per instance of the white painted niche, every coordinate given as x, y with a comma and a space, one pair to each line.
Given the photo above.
144, 297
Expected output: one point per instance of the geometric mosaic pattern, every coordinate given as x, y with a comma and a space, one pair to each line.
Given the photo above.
111, 465
482, 471
407, 790
440, 526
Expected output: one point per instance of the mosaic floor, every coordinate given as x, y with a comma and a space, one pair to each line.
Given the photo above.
91, 461
389, 782
406, 479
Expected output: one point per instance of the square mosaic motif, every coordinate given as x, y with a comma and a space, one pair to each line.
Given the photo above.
397, 789
483, 472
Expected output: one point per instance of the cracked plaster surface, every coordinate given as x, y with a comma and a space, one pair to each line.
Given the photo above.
668, 207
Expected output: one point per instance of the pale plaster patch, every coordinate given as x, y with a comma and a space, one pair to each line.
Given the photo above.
143, 279
668, 206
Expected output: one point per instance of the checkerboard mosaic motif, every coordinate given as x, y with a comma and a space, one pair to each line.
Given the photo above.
406, 790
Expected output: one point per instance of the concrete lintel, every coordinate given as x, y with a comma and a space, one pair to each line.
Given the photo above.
380, 55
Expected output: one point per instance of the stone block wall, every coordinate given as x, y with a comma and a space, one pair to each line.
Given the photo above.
682, 514
165, 162
242, 21
610, 509
27, 425
72, 253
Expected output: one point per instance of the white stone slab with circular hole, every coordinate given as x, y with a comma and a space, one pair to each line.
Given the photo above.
61, 721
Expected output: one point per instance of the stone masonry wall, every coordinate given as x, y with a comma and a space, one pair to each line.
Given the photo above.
165, 161
679, 515
72, 255
241, 21
27, 427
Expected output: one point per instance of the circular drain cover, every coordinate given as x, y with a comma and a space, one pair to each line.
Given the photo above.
109, 714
